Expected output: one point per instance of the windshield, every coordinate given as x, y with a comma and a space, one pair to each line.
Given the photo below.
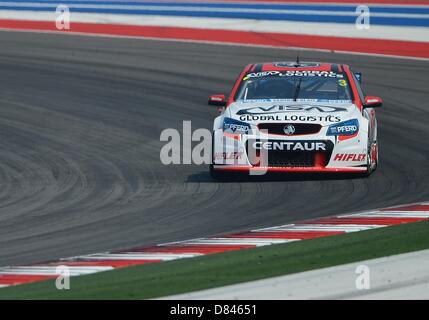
295, 85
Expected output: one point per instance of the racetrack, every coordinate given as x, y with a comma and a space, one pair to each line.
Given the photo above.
79, 154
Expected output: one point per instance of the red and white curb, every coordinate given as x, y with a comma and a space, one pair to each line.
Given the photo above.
309, 229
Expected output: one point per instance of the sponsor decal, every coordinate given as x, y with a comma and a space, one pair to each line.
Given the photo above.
294, 73
346, 128
228, 155
291, 108
293, 64
290, 145
292, 100
236, 127
290, 118
350, 157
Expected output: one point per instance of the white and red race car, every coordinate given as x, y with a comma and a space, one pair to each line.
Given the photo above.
295, 117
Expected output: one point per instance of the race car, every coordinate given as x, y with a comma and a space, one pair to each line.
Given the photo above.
295, 117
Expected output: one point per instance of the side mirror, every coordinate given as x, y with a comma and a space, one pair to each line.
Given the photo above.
372, 102
217, 100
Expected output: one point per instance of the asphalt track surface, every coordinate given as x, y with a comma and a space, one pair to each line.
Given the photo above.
80, 121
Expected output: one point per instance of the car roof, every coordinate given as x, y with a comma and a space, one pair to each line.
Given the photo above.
298, 66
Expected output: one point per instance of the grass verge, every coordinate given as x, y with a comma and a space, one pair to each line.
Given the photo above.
161, 279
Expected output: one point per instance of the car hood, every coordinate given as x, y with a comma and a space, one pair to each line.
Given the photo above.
292, 111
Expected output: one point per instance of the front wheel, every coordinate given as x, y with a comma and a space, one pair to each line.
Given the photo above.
372, 159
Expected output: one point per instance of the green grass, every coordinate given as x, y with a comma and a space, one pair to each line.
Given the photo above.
160, 279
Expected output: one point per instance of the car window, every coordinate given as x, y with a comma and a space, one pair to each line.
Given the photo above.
320, 86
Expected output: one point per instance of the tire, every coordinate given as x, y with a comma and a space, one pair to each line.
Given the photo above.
374, 155
372, 159
216, 175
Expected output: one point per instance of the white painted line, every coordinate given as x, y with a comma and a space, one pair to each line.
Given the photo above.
390, 214
274, 228
4, 285
238, 241
324, 227
51, 271
139, 256
416, 211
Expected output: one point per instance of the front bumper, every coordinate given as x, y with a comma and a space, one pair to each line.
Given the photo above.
344, 154
234, 168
